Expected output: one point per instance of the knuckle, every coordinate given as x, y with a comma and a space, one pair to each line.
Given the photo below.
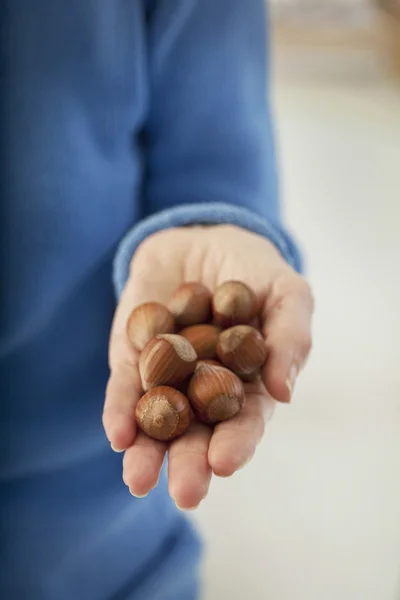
259, 427
123, 374
290, 284
303, 289
305, 344
122, 358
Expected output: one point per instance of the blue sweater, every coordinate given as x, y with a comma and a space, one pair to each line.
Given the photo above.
118, 118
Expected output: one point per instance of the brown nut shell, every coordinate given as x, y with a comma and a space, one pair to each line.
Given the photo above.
215, 393
167, 359
204, 339
234, 303
209, 361
163, 413
242, 349
191, 304
146, 321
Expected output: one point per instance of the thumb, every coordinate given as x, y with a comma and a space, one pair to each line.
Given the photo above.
124, 385
287, 329
146, 283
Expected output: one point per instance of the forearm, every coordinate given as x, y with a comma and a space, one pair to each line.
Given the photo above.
209, 132
208, 143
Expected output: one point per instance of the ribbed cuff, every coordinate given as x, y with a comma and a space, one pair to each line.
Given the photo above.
210, 214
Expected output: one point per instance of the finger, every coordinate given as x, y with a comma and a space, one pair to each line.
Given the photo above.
287, 328
234, 442
122, 394
124, 386
142, 464
189, 473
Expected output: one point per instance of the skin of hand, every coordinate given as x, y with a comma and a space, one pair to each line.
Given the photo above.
211, 255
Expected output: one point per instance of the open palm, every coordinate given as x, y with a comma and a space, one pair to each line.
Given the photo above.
210, 255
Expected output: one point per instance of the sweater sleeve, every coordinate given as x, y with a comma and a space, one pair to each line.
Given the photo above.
208, 144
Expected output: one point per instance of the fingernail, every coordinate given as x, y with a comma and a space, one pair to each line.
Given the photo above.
291, 380
137, 495
187, 509
116, 450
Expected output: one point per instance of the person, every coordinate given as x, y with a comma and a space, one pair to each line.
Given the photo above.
138, 153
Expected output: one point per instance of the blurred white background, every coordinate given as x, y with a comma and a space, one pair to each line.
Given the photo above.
316, 515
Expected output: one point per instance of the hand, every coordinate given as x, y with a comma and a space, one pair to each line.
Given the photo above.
210, 255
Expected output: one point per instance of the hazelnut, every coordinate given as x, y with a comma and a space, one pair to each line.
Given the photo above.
148, 320
203, 339
163, 413
166, 360
242, 349
215, 393
234, 303
209, 361
191, 304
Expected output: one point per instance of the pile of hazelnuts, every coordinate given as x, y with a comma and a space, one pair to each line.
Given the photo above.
195, 355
